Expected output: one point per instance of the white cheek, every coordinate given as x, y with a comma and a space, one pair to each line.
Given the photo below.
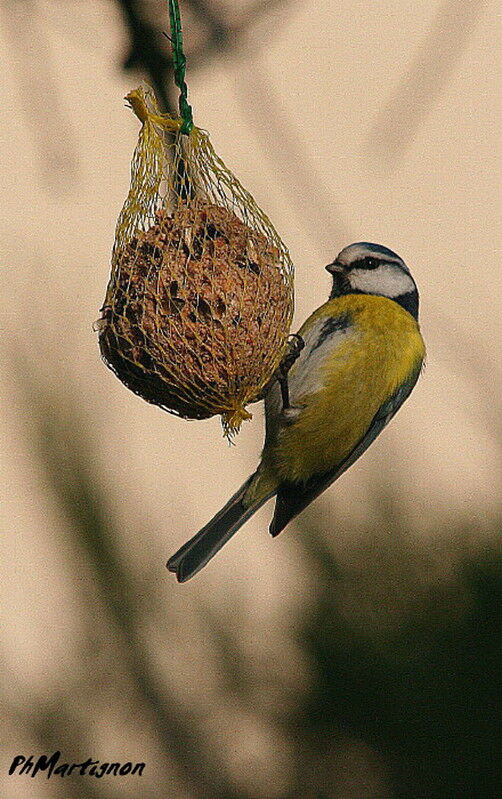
389, 281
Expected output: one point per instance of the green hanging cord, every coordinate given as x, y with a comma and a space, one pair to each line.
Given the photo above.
179, 64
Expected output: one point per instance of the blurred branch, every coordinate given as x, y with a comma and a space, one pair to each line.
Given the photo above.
425, 78
51, 725
148, 52
31, 63
219, 30
228, 34
419, 692
474, 355
65, 454
314, 206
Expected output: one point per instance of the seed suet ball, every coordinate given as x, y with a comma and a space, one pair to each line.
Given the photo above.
197, 312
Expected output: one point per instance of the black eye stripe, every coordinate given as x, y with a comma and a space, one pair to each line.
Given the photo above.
370, 262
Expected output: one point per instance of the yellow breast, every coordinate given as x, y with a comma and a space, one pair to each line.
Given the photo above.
341, 385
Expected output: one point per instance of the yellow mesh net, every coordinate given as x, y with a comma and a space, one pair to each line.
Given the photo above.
200, 298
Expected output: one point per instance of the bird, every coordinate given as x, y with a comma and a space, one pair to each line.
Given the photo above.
349, 369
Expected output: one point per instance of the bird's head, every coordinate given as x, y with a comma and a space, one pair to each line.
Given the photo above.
365, 268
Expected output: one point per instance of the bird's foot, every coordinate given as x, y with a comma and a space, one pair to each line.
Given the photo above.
295, 346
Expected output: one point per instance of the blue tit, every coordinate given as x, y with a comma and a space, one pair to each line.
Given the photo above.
361, 357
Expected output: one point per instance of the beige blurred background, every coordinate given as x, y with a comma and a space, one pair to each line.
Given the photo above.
349, 120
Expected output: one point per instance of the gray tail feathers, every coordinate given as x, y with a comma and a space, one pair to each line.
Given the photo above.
193, 555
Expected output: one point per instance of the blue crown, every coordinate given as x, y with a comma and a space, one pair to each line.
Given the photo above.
378, 248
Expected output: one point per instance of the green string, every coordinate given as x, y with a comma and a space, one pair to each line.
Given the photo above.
179, 64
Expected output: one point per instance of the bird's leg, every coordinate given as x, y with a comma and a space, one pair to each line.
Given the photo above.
295, 346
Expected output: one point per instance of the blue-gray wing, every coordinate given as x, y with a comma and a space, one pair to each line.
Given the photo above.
292, 498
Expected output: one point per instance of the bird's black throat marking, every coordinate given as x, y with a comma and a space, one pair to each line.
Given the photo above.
409, 302
334, 324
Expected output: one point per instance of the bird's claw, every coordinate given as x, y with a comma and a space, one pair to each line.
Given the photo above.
295, 346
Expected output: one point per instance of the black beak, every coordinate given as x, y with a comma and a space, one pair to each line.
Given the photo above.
335, 268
